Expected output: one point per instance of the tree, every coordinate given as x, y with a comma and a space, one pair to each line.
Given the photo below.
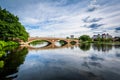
85, 38
10, 27
67, 37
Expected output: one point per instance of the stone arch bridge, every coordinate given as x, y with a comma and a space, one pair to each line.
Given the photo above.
51, 40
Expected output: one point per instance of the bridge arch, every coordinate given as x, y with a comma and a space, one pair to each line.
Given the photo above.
73, 42
49, 41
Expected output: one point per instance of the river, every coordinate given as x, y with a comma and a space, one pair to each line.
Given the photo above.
79, 62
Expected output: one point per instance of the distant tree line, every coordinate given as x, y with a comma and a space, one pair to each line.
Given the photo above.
97, 38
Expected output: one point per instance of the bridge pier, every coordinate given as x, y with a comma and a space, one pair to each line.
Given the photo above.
68, 42
53, 43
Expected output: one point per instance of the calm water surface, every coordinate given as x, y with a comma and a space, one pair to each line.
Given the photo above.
82, 62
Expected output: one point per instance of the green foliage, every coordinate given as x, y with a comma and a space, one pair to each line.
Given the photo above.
4, 45
104, 39
0, 47
109, 40
2, 53
11, 43
10, 27
73, 42
37, 42
67, 38
8, 43
85, 38
1, 64
62, 42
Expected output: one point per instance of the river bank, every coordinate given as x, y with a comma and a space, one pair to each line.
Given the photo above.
100, 42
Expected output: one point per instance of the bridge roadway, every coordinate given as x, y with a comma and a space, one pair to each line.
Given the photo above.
52, 40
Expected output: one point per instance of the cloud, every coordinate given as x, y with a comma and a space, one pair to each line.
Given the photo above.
117, 30
30, 21
31, 27
90, 20
95, 26
93, 6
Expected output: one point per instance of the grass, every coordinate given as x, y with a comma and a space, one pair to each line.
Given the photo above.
98, 42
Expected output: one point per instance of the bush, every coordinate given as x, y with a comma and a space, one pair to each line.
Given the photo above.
0, 47
3, 43
85, 38
1, 64
10, 43
73, 42
2, 53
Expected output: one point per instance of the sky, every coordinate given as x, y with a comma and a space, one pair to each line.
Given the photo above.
62, 18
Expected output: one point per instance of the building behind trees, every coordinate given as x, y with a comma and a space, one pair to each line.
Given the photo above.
102, 37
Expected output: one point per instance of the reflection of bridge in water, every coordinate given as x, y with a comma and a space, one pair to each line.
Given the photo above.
51, 46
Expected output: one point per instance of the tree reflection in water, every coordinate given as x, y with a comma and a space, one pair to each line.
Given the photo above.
14, 58
98, 47
102, 47
85, 46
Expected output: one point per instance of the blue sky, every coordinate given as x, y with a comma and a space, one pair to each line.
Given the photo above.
61, 18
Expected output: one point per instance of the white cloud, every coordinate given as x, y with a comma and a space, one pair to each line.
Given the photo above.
30, 21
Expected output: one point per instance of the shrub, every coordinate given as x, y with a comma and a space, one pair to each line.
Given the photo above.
3, 43
1, 64
2, 53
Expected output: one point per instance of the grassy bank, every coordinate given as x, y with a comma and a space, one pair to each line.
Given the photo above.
97, 42
100, 42
86, 42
